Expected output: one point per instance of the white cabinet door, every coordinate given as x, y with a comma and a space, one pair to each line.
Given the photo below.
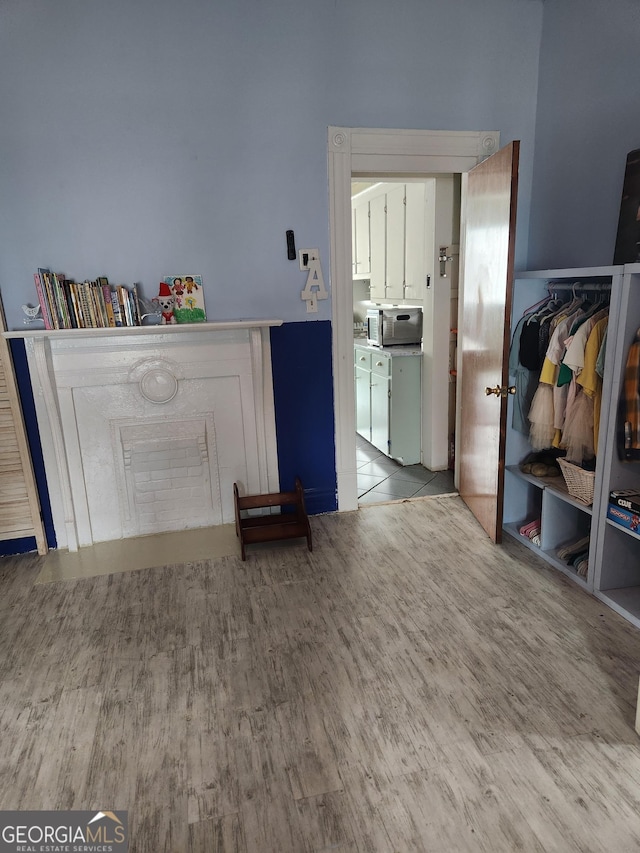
361, 229
415, 243
395, 243
404, 408
380, 415
363, 402
377, 232
354, 247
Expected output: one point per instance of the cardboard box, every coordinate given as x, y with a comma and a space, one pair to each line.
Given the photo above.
625, 518
628, 499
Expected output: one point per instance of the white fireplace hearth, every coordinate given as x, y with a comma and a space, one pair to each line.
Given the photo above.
144, 430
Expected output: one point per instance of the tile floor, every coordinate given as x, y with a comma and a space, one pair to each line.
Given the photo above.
380, 479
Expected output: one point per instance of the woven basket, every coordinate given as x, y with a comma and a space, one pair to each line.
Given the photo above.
580, 483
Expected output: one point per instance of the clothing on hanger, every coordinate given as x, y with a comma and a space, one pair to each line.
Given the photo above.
589, 378
525, 382
629, 406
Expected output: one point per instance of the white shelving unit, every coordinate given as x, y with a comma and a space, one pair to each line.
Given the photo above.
617, 557
614, 552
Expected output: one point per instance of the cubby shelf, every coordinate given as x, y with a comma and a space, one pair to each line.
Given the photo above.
555, 485
614, 551
550, 556
623, 530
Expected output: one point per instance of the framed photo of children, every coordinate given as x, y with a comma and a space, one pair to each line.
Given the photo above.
189, 298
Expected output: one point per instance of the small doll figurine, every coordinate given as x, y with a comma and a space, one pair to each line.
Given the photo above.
166, 300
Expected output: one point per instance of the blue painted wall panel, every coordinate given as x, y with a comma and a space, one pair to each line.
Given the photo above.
303, 392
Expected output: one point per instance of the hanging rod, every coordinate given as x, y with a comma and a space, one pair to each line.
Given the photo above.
578, 285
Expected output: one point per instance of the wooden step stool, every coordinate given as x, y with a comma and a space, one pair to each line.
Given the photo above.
268, 528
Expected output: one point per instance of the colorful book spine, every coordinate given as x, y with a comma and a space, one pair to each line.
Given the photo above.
86, 302
61, 302
44, 307
71, 308
96, 294
101, 308
132, 309
103, 283
125, 307
75, 298
106, 293
115, 304
51, 300
136, 302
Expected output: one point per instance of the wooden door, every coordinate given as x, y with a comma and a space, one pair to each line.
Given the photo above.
489, 215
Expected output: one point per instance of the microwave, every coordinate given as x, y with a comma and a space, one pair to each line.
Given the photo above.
391, 326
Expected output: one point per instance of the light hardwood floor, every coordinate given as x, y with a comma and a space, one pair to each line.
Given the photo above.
407, 686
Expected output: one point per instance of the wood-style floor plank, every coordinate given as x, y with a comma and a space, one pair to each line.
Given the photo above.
407, 686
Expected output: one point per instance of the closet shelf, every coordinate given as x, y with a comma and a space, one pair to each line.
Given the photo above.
554, 485
623, 529
549, 556
624, 600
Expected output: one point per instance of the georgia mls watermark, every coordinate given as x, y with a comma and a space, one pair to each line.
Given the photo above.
63, 832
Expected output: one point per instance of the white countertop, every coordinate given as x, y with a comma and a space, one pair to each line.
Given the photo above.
397, 350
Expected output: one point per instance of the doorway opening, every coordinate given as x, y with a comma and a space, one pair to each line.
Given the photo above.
396, 154
404, 247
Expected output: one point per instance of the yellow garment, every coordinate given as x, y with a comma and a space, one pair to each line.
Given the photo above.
589, 378
549, 372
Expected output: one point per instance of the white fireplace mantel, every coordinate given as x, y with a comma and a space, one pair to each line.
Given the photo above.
145, 429
127, 331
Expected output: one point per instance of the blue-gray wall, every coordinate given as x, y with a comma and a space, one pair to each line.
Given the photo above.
141, 138
588, 120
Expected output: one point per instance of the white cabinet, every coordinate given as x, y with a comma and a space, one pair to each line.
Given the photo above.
381, 402
396, 229
614, 552
363, 392
396, 233
388, 401
361, 240
416, 266
378, 247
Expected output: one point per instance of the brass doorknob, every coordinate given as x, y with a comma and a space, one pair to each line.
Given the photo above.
500, 390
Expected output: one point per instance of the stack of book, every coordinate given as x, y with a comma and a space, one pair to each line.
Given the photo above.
68, 304
624, 508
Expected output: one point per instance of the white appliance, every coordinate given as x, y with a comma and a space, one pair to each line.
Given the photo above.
392, 326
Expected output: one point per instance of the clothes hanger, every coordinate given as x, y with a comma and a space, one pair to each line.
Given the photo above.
546, 299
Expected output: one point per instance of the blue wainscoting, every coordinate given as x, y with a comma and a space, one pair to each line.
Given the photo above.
303, 391
28, 543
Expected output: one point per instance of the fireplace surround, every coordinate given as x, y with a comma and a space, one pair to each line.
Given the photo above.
145, 429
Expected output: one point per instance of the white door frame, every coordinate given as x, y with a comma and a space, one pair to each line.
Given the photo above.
385, 152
